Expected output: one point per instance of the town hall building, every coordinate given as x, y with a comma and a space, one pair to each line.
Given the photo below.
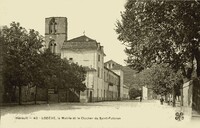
101, 82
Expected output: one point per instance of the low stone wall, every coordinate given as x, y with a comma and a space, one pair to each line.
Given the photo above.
187, 98
41, 94
187, 94
196, 95
63, 95
191, 96
53, 98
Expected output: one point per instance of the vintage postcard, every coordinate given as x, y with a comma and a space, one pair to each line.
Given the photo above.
99, 64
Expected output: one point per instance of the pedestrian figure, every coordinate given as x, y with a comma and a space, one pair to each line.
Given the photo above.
140, 99
161, 100
168, 100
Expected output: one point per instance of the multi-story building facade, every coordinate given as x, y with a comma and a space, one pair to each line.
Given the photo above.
102, 83
88, 53
111, 85
125, 76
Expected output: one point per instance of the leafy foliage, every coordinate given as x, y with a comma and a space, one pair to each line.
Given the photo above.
161, 32
26, 63
160, 78
73, 75
21, 48
133, 93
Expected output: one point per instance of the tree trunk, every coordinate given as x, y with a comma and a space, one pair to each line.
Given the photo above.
36, 94
181, 90
67, 94
58, 96
20, 94
47, 96
165, 98
197, 57
174, 97
14, 98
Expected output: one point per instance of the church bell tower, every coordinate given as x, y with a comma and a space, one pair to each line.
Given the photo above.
55, 33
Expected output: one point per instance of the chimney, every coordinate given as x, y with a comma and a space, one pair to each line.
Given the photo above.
98, 45
102, 48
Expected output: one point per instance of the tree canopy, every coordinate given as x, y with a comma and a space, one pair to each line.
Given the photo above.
134, 93
160, 78
26, 62
161, 32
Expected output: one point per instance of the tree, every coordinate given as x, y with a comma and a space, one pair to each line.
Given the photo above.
161, 32
27, 64
21, 46
160, 78
141, 79
133, 93
78, 75
59, 73
50, 71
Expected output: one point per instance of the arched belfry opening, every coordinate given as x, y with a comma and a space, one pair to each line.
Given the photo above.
55, 33
53, 26
52, 46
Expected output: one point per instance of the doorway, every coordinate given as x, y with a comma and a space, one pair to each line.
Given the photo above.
90, 100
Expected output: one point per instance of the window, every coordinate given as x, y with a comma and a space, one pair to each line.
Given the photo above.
99, 57
52, 26
104, 94
70, 60
97, 94
55, 27
98, 71
52, 46
102, 73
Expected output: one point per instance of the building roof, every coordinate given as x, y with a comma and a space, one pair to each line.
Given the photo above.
89, 69
128, 72
82, 43
105, 68
116, 65
81, 39
111, 61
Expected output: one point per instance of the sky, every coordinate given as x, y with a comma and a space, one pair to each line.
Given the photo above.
96, 17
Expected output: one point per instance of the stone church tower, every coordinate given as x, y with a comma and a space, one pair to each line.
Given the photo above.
55, 33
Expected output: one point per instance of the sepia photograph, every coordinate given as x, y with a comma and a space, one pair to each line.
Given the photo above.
100, 64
